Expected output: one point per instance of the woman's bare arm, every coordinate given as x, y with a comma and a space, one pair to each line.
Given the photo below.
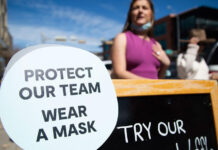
119, 58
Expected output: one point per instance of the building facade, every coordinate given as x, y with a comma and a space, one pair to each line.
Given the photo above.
106, 46
173, 28
5, 37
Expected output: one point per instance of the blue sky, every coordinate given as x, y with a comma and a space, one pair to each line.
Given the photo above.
30, 21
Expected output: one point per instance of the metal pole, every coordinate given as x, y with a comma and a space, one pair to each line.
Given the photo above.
178, 32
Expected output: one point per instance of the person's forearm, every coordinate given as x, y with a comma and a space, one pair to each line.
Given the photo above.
190, 55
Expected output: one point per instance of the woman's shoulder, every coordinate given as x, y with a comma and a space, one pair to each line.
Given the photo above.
153, 40
120, 36
125, 33
119, 41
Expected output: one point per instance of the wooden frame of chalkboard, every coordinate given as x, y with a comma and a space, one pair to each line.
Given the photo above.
153, 88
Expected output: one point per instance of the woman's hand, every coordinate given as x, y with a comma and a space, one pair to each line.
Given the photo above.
194, 40
160, 54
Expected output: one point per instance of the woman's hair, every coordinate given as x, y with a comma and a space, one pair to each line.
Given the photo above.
129, 21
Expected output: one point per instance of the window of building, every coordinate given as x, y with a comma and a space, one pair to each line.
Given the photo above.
160, 29
106, 49
202, 22
163, 44
187, 24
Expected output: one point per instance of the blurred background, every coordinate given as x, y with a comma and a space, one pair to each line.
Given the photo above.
92, 25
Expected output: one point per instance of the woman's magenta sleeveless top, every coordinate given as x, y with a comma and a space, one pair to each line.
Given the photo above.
139, 58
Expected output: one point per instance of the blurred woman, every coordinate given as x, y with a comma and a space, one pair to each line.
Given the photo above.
135, 54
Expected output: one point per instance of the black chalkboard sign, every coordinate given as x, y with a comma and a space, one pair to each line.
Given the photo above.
171, 122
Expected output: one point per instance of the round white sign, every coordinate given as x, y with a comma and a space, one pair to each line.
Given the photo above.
57, 97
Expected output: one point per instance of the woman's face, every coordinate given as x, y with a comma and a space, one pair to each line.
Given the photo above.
141, 12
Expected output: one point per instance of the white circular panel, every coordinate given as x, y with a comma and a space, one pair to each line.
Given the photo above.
57, 97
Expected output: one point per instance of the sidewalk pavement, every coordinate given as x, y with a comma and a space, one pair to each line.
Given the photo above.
5, 143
